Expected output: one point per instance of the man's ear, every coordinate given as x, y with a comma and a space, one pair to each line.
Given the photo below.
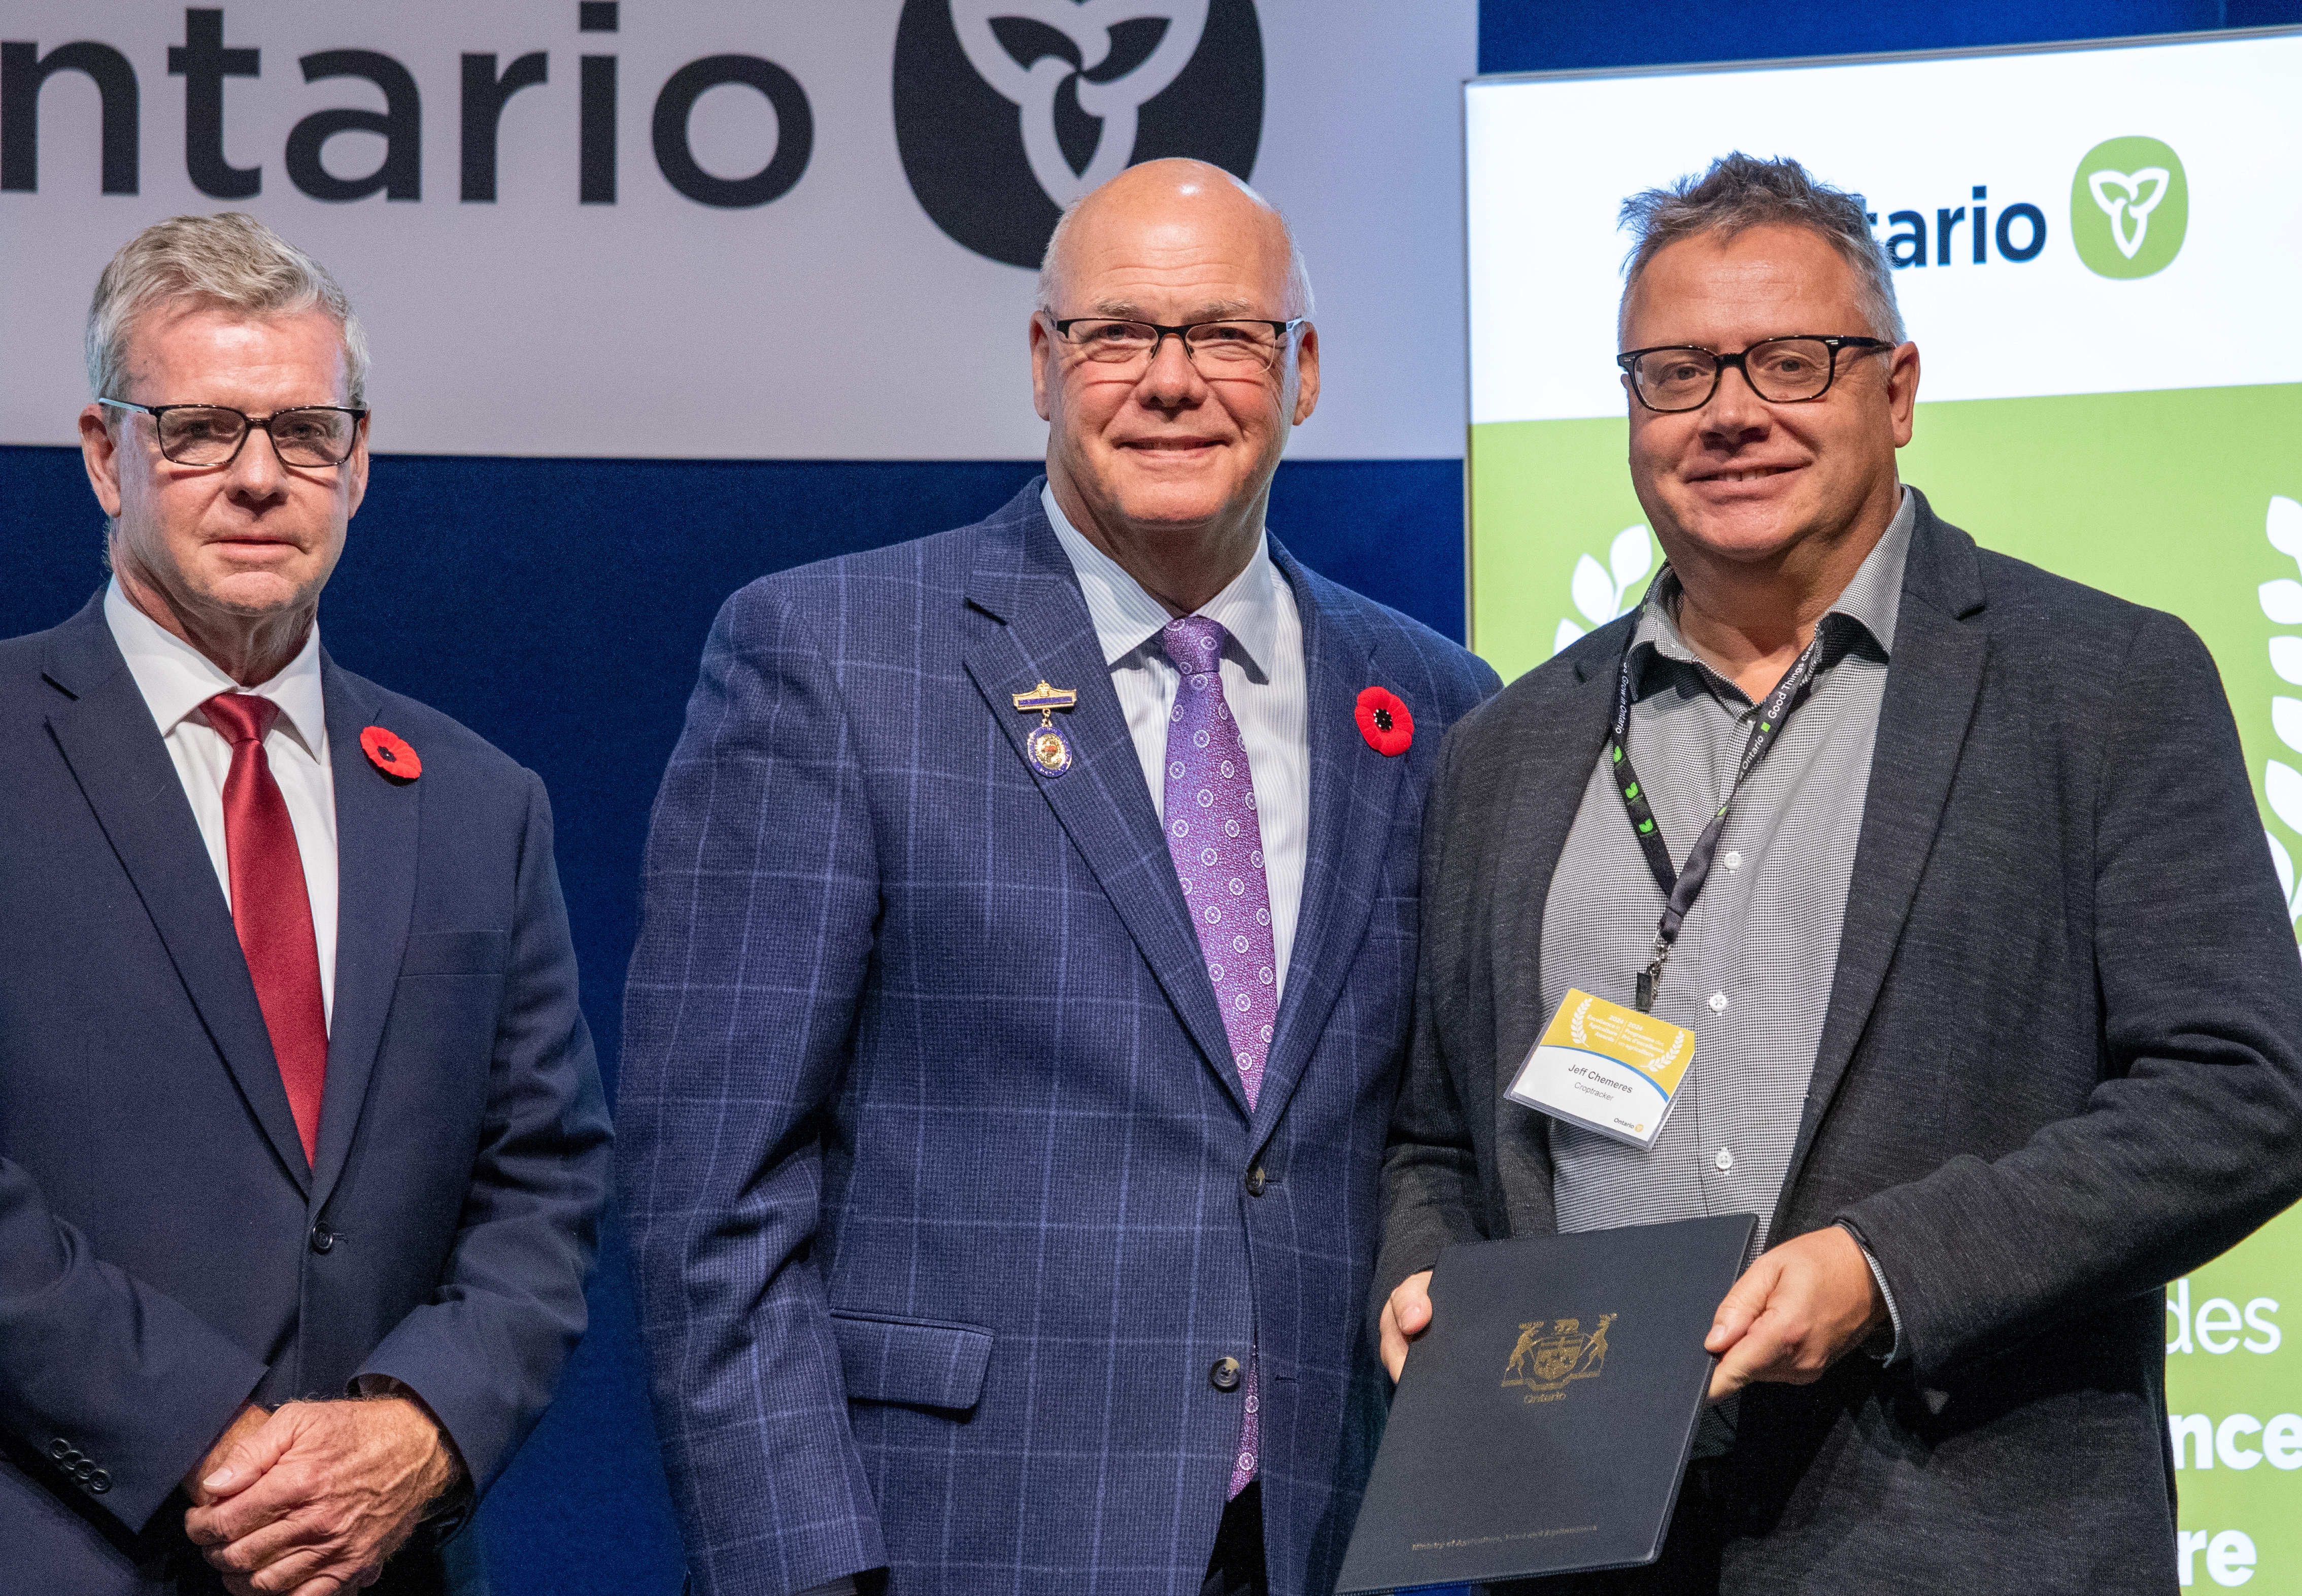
99, 452
1043, 354
357, 468
1903, 389
1307, 374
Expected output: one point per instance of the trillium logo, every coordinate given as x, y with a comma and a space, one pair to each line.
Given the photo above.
2128, 198
1008, 110
2130, 208
1095, 66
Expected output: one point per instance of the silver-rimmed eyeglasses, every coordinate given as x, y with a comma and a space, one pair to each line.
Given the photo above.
215, 434
1230, 347
1790, 369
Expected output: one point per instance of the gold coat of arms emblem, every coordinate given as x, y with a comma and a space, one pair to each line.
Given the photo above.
1551, 1353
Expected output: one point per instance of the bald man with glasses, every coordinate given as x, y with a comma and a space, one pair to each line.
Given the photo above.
1030, 916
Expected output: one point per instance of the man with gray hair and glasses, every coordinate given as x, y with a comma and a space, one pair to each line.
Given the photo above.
1029, 930
1953, 868
302, 1144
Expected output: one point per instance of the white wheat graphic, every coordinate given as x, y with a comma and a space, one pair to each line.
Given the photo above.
1670, 1058
2282, 601
1602, 593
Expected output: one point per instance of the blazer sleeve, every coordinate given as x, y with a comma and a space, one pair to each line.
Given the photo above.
485, 1352
759, 900
2193, 1137
121, 1387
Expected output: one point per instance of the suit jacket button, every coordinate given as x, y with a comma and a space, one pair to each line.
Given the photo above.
62, 1451
1256, 1180
99, 1482
1224, 1375
322, 1238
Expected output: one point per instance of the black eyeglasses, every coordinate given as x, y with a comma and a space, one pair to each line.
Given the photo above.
215, 434
1234, 349
1783, 371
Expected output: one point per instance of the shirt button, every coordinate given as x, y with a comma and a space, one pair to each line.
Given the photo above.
1725, 1161
1717, 1003
1733, 862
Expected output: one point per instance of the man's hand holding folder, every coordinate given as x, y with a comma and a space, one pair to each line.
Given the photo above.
1795, 1312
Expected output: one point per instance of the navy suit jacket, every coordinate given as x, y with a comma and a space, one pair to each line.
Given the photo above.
941, 1178
165, 1252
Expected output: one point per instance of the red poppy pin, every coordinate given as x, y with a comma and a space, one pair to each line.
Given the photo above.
1384, 722
388, 752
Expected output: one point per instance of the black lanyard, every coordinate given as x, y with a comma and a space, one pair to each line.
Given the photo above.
1681, 888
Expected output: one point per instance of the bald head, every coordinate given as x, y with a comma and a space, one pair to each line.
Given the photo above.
1161, 452
1173, 207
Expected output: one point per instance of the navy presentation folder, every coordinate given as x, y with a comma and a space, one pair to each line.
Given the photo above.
1544, 1422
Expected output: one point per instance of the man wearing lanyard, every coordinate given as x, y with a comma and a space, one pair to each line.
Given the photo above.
1951, 867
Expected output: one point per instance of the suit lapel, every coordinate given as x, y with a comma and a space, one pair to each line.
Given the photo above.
376, 837
1353, 790
105, 732
1933, 681
1031, 625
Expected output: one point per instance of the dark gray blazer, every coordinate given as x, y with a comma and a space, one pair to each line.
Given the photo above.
2060, 1068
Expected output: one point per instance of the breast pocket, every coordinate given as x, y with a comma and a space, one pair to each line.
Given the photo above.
446, 1003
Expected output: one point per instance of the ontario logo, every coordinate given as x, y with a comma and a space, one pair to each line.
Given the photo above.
2130, 208
1008, 110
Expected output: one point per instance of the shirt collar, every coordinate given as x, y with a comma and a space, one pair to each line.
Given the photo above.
1872, 599
1128, 619
176, 678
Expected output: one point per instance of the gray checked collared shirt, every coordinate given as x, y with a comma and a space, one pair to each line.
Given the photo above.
1752, 971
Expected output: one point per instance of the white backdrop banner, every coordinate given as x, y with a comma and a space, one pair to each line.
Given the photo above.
2038, 202
729, 229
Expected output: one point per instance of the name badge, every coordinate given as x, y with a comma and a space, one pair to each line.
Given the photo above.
1606, 1068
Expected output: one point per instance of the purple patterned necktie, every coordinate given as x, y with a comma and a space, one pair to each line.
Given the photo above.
1218, 850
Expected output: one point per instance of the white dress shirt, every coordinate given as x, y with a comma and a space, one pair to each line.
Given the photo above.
1264, 682
175, 680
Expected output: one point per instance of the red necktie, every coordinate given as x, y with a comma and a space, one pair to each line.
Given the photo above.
271, 909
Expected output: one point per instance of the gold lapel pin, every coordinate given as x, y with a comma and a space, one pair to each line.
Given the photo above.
1049, 750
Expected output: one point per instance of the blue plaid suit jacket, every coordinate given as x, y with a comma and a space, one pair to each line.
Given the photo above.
933, 1153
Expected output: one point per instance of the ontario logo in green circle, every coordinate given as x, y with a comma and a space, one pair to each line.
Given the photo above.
2130, 208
